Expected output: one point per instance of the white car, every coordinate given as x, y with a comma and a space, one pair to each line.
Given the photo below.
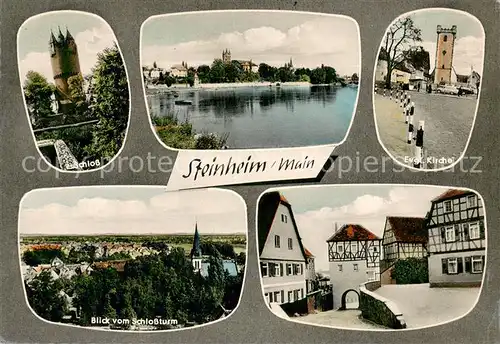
447, 89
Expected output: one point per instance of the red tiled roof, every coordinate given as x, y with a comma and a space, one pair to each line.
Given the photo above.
308, 253
450, 194
353, 232
409, 229
119, 265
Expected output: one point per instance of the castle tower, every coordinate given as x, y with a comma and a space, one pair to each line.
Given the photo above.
196, 254
444, 54
226, 56
64, 59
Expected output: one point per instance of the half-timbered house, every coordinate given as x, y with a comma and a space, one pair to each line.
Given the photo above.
404, 237
354, 258
457, 239
281, 253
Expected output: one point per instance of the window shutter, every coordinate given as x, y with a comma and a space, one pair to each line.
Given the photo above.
282, 296
281, 272
481, 229
444, 263
457, 233
468, 265
460, 265
443, 234
465, 228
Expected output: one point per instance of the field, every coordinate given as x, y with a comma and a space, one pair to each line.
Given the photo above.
238, 241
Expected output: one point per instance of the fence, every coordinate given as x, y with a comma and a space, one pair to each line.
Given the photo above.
317, 300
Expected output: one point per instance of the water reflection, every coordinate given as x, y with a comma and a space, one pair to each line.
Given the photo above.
264, 117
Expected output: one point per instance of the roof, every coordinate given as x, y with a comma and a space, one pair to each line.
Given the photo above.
119, 265
308, 253
267, 208
451, 193
228, 264
409, 229
353, 232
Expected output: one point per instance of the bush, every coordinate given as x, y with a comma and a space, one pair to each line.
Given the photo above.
411, 271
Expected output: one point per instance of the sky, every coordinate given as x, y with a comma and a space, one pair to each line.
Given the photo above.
317, 209
270, 37
469, 41
129, 210
91, 33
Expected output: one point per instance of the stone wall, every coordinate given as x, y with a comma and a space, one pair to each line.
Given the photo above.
378, 309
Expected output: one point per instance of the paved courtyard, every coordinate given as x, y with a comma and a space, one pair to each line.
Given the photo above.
448, 123
425, 306
349, 319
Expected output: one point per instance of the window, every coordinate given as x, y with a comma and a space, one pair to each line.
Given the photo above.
271, 297
447, 204
444, 52
471, 201
474, 231
354, 247
197, 264
450, 234
276, 296
290, 296
374, 248
340, 267
290, 244
355, 267
266, 296
282, 296
477, 264
284, 218
289, 269
452, 266
301, 269
277, 241
263, 269
277, 270
340, 247
445, 38
295, 295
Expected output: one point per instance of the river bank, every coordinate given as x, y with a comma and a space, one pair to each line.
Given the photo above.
165, 88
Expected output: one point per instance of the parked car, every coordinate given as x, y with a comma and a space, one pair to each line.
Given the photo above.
447, 89
467, 90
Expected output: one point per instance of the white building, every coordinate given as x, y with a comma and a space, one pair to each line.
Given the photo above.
397, 76
457, 239
179, 70
354, 258
282, 255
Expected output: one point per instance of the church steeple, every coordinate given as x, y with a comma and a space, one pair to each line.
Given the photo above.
60, 36
196, 250
68, 35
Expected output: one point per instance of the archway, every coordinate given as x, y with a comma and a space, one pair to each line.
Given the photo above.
350, 300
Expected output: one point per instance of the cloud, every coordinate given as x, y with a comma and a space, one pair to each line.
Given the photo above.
468, 51
89, 42
215, 211
370, 211
326, 41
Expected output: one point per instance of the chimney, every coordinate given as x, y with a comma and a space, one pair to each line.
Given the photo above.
336, 227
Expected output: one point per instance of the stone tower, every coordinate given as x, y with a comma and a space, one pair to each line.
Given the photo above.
226, 56
64, 59
444, 54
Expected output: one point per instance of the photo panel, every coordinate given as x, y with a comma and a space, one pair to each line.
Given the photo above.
371, 257
250, 86
427, 86
75, 87
132, 258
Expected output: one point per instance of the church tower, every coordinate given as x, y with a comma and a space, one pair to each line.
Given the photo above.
444, 54
64, 59
196, 254
226, 56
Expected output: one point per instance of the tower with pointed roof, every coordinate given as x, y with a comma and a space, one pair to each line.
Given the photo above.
196, 254
226, 56
64, 60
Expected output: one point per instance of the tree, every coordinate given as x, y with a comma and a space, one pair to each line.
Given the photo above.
38, 93
75, 85
395, 41
330, 75
318, 76
155, 65
355, 78
44, 298
418, 57
204, 73
110, 104
217, 71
